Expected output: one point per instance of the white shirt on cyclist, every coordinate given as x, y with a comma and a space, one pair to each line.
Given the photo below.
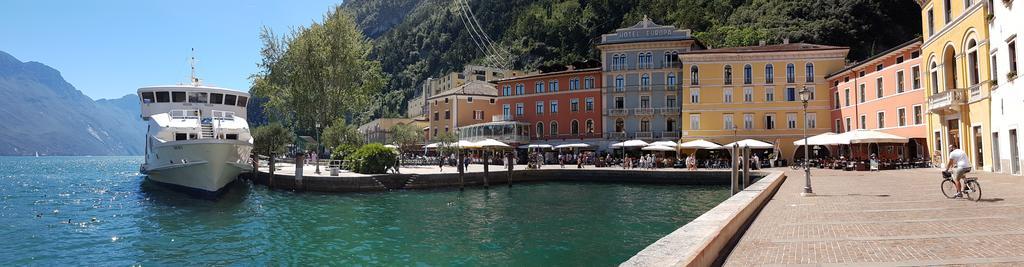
960, 157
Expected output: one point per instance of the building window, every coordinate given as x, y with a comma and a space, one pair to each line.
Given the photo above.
506, 91
836, 99
590, 104
995, 78
478, 115
879, 67
931, 22
862, 94
863, 121
540, 129
809, 71
645, 81
574, 105
590, 126
469, 99
811, 120
748, 121
769, 121
915, 77
790, 73
769, 74
848, 124
727, 95
899, 82
973, 76
694, 95
519, 109
437, 116
727, 122
670, 124
694, 122
899, 59
769, 94
901, 117
791, 94
694, 75
520, 89
791, 120
671, 80
670, 101
574, 127
847, 91
554, 106
748, 95
1012, 47
748, 75
620, 126
620, 84
447, 114
838, 126
728, 74
918, 115
645, 125
574, 84
553, 85
619, 102
947, 11
879, 90
539, 109
645, 101
506, 111
539, 87
881, 119
935, 78
588, 82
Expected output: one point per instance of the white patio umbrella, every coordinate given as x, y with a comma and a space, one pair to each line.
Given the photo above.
755, 144
630, 143
665, 143
535, 146
862, 136
823, 140
699, 144
433, 145
488, 143
577, 145
658, 148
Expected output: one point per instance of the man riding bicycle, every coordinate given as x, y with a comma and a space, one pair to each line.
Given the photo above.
960, 169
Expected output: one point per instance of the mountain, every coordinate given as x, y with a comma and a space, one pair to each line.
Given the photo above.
417, 39
42, 113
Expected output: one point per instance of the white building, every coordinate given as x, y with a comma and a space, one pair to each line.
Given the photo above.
1007, 90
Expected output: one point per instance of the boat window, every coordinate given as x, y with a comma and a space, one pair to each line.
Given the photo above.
242, 101
163, 97
229, 100
180, 136
177, 97
216, 98
147, 97
193, 136
231, 136
197, 97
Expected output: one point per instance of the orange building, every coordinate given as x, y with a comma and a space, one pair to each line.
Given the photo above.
884, 93
559, 106
468, 104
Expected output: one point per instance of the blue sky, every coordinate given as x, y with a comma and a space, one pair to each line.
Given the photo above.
108, 49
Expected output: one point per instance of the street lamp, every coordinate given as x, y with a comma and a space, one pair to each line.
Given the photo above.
317, 152
805, 95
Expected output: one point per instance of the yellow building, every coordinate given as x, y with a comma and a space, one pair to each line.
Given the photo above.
955, 52
752, 92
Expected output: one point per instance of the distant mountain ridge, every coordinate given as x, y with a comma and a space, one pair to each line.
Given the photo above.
42, 113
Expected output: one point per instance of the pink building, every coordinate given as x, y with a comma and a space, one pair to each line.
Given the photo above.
884, 93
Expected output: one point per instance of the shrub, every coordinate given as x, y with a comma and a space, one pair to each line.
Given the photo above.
371, 159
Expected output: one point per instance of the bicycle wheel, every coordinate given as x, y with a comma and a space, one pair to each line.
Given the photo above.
975, 192
948, 188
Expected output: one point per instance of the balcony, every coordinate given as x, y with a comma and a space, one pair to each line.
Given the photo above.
672, 87
977, 93
670, 135
616, 135
669, 111
946, 101
618, 112
645, 88
643, 135
643, 111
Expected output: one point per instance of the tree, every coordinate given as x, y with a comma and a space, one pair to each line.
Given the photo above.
446, 143
271, 140
318, 73
405, 136
343, 137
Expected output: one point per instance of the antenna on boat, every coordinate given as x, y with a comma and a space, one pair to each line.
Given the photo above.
192, 61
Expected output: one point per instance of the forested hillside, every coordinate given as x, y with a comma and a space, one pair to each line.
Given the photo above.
417, 39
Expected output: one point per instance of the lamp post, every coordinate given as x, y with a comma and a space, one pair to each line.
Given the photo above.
805, 96
317, 148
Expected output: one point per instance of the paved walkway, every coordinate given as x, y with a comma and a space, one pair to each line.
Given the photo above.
309, 169
897, 217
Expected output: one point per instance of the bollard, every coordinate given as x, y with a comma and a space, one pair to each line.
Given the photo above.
746, 167
734, 177
299, 163
487, 163
461, 167
510, 166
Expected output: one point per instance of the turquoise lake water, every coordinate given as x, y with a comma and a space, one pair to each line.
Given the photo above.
100, 211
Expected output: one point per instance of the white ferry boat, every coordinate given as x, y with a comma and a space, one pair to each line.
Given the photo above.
197, 138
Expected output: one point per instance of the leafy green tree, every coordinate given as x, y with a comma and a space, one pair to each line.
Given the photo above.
341, 134
271, 140
405, 136
446, 143
318, 73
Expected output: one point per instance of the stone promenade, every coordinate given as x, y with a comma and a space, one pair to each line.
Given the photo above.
897, 217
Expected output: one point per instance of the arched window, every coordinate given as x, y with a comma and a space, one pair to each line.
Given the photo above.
972, 63
694, 75
590, 126
728, 74
671, 79
949, 65
748, 74
645, 80
574, 127
809, 71
640, 60
790, 73
540, 129
620, 126
769, 74
620, 84
554, 128
935, 77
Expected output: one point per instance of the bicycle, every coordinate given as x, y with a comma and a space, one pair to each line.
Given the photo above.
972, 189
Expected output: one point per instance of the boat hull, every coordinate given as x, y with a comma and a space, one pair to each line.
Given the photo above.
199, 165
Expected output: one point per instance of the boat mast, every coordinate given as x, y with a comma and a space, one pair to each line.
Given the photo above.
192, 61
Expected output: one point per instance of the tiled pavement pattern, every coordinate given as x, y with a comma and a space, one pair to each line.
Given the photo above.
897, 217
